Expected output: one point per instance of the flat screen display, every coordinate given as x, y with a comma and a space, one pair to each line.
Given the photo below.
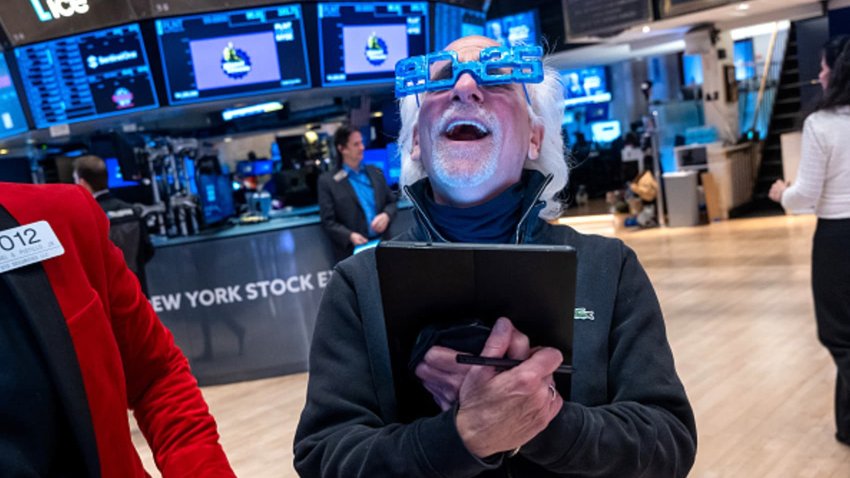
114, 177
362, 42
585, 85
518, 29
89, 76
451, 23
216, 195
238, 53
29, 21
12, 119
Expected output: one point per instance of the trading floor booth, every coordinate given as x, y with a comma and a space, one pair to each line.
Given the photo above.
242, 302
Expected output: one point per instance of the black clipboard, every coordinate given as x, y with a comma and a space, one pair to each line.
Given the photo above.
422, 284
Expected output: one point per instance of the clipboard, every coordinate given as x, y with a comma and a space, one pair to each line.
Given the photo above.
423, 284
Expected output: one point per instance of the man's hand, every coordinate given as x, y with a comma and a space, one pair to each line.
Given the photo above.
357, 239
442, 376
502, 411
380, 222
777, 189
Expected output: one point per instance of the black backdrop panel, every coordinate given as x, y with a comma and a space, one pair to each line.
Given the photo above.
29, 21
583, 18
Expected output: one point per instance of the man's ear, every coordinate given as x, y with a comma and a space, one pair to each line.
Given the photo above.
415, 153
535, 141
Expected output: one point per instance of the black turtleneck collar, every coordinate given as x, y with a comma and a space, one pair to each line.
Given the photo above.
492, 222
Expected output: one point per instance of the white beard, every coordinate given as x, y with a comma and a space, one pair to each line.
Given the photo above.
456, 169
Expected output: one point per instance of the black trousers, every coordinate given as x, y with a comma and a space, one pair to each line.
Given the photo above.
831, 288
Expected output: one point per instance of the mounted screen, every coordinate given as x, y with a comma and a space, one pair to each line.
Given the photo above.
587, 85
28, 21
361, 42
89, 76
451, 23
518, 29
12, 119
238, 53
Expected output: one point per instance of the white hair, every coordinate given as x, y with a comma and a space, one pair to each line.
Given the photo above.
546, 109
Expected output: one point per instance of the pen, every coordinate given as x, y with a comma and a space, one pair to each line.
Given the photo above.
501, 362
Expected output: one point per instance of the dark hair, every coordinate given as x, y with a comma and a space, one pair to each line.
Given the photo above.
93, 170
833, 48
837, 93
341, 136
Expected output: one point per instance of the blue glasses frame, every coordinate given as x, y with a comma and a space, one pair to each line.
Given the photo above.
496, 65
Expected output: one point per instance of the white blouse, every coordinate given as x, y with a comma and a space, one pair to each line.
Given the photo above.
823, 178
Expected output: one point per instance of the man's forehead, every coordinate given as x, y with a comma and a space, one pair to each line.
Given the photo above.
469, 48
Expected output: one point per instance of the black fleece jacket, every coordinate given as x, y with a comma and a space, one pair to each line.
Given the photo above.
627, 416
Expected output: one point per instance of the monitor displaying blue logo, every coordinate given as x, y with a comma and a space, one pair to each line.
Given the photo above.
362, 42
231, 54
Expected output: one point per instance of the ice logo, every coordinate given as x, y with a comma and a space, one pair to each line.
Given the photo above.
376, 50
123, 98
92, 61
235, 63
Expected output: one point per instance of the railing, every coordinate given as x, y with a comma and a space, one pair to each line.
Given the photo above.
757, 95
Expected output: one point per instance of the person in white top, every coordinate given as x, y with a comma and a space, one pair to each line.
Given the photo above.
823, 182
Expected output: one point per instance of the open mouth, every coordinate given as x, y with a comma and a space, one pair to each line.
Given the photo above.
466, 130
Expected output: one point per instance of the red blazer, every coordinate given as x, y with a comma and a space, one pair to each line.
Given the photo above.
119, 355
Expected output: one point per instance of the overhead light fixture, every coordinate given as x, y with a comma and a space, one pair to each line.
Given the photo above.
4, 152
377, 114
646, 29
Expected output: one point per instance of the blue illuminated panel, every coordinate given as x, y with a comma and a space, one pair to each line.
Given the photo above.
238, 53
12, 120
451, 23
519, 29
361, 42
83, 77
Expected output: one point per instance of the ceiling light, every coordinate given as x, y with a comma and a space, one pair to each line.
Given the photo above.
4, 151
646, 29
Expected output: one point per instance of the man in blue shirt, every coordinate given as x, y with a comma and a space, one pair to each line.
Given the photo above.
355, 203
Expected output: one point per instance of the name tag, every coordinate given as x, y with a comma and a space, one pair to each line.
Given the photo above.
25, 245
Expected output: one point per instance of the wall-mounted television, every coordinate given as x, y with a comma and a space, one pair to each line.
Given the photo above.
585, 85
517, 29
84, 77
360, 42
451, 23
236, 53
12, 119
29, 21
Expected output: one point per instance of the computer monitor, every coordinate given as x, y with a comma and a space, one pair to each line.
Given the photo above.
387, 160
12, 119
693, 157
115, 179
361, 42
517, 29
585, 85
84, 77
451, 23
237, 53
606, 131
216, 195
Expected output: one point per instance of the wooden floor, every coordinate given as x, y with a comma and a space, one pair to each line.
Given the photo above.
738, 307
